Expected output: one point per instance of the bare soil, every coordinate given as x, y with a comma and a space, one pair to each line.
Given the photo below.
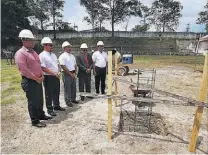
83, 129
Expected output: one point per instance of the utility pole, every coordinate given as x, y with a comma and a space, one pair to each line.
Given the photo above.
188, 27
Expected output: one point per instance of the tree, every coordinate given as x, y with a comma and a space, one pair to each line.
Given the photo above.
41, 14
120, 10
203, 17
56, 6
141, 28
14, 18
97, 13
144, 26
64, 26
188, 27
166, 14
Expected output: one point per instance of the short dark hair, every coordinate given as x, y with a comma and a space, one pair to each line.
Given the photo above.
113, 51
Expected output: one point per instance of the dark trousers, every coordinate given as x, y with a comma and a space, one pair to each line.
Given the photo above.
85, 82
34, 94
69, 87
100, 78
52, 91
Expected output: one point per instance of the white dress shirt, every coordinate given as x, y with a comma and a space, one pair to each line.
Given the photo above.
49, 61
68, 60
100, 59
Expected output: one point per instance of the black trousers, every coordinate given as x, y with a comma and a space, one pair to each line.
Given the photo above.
85, 82
100, 78
34, 94
52, 91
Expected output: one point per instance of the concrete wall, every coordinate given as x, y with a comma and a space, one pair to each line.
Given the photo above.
125, 34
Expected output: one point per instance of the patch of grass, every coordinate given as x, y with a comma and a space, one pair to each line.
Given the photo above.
158, 61
11, 78
9, 100
15, 89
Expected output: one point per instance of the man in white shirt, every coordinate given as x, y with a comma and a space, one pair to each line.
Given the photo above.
100, 59
69, 70
51, 69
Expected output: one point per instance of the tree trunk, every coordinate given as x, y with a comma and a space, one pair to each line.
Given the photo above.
42, 28
100, 26
163, 27
54, 21
112, 21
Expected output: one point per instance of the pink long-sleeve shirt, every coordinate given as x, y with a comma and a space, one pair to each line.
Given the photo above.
28, 63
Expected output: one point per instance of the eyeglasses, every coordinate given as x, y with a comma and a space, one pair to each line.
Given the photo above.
27, 39
84, 50
49, 45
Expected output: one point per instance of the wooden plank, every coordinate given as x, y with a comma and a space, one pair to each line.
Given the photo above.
109, 93
116, 73
199, 111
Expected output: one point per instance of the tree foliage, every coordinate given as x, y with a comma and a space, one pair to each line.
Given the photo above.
166, 14
14, 17
97, 13
141, 28
203, 17
120, 10
55, 9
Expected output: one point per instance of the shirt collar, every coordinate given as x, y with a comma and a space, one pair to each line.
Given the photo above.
47, 52
27, 50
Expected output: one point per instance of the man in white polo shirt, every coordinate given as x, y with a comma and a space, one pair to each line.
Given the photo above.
51, 69
100, 59
69, 70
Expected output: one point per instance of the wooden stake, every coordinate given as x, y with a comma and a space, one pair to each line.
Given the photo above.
199, 111
109, 93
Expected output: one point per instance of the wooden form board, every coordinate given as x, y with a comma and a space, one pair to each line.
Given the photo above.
199, 111
116, 73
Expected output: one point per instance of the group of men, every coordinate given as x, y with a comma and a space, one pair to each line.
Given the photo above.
46, 68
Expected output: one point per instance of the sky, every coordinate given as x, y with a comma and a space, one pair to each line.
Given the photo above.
74, 14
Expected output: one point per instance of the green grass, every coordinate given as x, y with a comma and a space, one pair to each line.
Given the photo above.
158, 60
10, 84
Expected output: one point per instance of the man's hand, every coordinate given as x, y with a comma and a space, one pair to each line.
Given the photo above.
72, 75
88, 70
40, 79
58, 75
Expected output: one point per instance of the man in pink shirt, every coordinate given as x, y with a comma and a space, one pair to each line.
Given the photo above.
28, 63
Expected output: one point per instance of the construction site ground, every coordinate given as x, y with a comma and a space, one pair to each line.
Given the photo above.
83, 129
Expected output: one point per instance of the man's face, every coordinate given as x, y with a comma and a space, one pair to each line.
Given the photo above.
48, 47
68, 49
84, 50
100, 48
28, 43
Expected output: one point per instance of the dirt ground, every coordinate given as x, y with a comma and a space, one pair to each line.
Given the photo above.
83, 129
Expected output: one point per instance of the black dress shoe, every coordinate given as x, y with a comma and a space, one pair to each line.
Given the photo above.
52, 113
39, 125
69, 104
82, 98
46, 118
75, 102
59, 108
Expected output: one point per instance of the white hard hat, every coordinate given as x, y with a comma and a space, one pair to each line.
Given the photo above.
100, 43
84, 45
26, 34
46, 40
65, 44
